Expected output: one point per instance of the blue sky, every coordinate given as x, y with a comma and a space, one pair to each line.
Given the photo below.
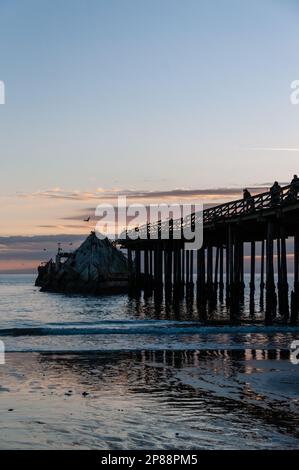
142, 95
145, 94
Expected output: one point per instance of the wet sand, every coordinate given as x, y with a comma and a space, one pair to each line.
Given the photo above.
238, 399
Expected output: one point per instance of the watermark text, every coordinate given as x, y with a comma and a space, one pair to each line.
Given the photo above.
294, 96
2, 353
153, 221
2, 92
294, 356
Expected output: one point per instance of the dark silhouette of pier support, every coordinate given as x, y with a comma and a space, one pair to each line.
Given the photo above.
252, 277
201, 276
283, 287
271, 300
262, 274
236, 237
295, 291
221, 267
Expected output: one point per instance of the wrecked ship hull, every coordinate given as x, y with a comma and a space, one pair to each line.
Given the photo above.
96, 267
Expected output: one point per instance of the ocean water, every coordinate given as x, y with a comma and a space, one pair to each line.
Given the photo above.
118, 372
35, 321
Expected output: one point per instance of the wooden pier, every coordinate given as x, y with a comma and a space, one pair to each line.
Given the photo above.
264, 222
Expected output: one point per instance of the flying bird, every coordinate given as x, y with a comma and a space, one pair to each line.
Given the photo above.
87, 220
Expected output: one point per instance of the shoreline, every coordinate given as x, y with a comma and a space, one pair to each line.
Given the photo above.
118, 400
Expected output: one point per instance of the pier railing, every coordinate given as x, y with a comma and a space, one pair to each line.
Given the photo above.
257, 203
260, 202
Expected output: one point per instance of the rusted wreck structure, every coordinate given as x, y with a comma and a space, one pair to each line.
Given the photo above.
96, 267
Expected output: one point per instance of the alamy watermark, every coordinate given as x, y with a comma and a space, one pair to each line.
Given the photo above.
294, 96
154, 221
2, 353
294, 356
2, 92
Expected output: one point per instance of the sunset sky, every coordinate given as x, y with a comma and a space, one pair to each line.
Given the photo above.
159, 100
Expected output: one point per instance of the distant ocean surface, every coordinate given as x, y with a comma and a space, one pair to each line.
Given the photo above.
118, 372
31, 320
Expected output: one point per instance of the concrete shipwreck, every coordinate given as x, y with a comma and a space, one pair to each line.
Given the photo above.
96, 267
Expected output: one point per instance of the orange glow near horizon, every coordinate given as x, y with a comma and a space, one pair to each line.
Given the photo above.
15, 265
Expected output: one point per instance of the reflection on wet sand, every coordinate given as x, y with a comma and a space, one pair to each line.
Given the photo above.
197, 399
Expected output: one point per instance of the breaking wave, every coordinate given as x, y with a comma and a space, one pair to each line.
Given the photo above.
144, 328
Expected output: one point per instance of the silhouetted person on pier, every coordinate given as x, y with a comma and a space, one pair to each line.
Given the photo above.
292, 193
246, 194
295, 186
275, 192
248, 199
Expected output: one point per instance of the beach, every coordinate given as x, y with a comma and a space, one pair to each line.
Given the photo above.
149, 400
120, 373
